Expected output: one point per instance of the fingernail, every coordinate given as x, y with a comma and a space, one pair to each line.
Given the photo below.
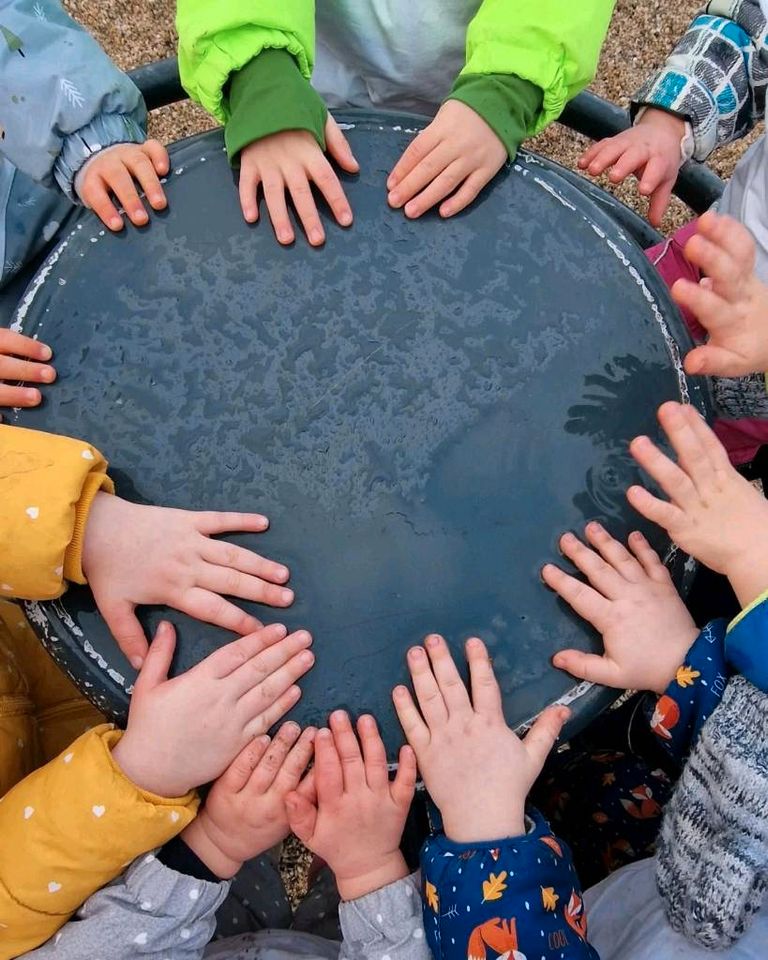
432, 640
416, 653
345, 218
284, 237
394, 198
137, 662
323, 733
303, 636
47, 374
338, 716
474, 643
115, 223
286, 596
399, 691
315, 237
308, 657
45, 352
292, 727
282, 573
32, 395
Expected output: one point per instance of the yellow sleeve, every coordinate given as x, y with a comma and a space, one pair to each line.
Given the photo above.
47, 485
68, 829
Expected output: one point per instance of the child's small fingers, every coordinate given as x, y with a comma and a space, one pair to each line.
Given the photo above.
404, 784
157, 662
717, 263
630, 161
271, 762
647, 557
714, 449
305, 206
732, 236
666, 515
123, 624
348, 749
592, 150
606, 152
415, 730
120, 182
709, 308
614, 553
660, 198
439, 188
225, 554
238, 773
26, 371
329, 185
688, 442
307, 786
158, 156
248, 191
274, 195
466, 193
374, 754
19, 396
422, 144
227, 582
486, 695
428, 694
18, 345
421, 175
96, 196
583, 599
449, 681
279, 706
601, 575
338, 147
673, 480
144, 172
212, 608
329, 777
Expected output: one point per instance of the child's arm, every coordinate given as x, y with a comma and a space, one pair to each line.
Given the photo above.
73, 825
713, 81
66, 106
58, 523
496, 879
521, 70
233, 56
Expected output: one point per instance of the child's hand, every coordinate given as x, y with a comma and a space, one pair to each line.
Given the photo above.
292, 161
134, 554
650, 149
244, 813
22, 360
715, 514
631, 600
358, 819
475, 768
113, 171
731, 303
186, 731
458, 151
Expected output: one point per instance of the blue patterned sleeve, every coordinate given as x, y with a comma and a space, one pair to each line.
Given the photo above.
746, 643
63, 98
518, 897
677, 716
716, 76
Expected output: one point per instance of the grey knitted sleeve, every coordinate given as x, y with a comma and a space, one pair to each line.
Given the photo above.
385, 925
150, 911
712, 859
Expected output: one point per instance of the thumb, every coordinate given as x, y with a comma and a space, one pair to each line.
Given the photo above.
404, 784
544, 733
124, 626
587, 666
338, 146
302, 816
709, 360
158, 660
307, 787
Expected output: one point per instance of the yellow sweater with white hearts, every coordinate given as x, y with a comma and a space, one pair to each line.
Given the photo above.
70, 826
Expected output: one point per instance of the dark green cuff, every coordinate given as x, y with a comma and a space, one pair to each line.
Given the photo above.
270, 95
508, 104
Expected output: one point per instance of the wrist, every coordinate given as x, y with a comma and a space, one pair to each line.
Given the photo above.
199, 840
359, 884
687, 640
131, 759
483, 829
748, 577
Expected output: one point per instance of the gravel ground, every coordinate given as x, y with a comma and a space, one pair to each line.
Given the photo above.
136, 31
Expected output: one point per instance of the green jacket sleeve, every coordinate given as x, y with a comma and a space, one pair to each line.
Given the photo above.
270, 95
554, 44
508, 104
219, 39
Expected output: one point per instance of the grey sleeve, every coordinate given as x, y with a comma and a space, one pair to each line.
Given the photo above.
385, 925
150, 911
63, 98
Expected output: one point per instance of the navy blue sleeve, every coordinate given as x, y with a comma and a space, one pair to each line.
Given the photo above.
518, 897
746, 644
677, 716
